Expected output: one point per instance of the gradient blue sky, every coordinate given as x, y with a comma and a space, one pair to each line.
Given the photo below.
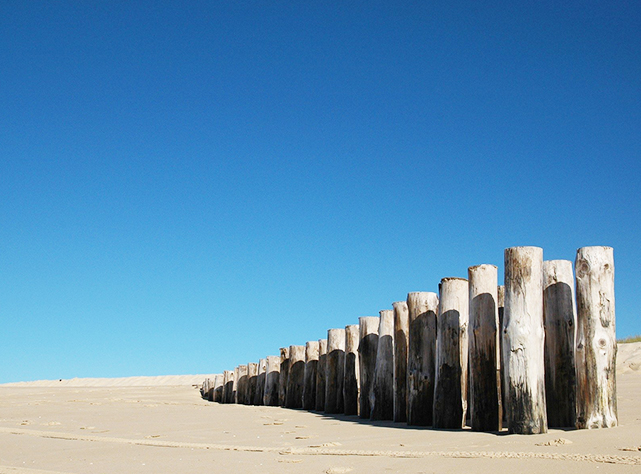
188, 186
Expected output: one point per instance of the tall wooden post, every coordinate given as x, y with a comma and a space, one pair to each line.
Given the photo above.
421, 364
321, 372
260, 382
284, 375
401, 344
311, 369
228, 393
234, 391
242, 386
204, 390
252, 382
272, 381
501, 303
296, 378
559, 317
450, 392
523, 341
219, 382
350, 385
596, 338
484, 350
334, 402
367, 347
383, 402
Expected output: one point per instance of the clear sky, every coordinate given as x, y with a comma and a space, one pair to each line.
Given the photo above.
188, 186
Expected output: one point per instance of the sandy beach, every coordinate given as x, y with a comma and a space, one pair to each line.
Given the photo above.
161, 425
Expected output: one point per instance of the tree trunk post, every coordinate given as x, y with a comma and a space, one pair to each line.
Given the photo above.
383, 402
421, 364
260, 382
296, 377
350, 384
596, 338
524, 340
501, 303
401, 345
219, 383
242, 385
252, 382
484, 349
204, 391
272, 381
321, 372
284, 375
367, 347
234, 391
311, 369
335, 376
450, 392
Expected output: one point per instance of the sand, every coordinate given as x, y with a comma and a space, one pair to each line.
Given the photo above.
161, 425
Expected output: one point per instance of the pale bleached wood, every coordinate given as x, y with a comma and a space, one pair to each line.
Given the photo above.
260, 382
450, 392
219, 382
523, 341
284, 375
252, 382
484, 349
311, 369
334, 402
272, 380
596, 338
296, 377
320, 374
228, 391
401, 344
383, 389
204, 390
242, 385
234, 391
501, 303
559, 317
421, 364
367, 347
350, 384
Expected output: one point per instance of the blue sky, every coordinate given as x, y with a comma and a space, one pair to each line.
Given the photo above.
188, 186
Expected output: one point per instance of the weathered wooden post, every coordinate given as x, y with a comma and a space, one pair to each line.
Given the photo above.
242, 386
401, 345
596, 338
272, 381
421, 364
311, 369
350, 385
204, 390
234, 390
228, 392
218, 388
484, 350
559, 319
252, 382
383, 400
321, 372
367, 347
334, 377
296, 377
260, 383
523, 341
284, 375
450, 392
501, 303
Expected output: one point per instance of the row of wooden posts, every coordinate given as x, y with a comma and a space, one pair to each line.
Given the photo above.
526, 353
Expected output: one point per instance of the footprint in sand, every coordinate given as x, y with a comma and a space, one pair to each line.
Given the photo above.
338, 470
555, 442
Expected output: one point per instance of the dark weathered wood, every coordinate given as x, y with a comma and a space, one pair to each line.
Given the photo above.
421, 364
321, 372
272, 381
523, 341
219, 382
234, 390
284, 375
501, 303
596, 338
296, 377
484, 350
242, 385
450, 392
367, 347
228, 391
334, 402
383, 389
401, 343
204, 390
260, 383
252, 382
311, 369
350, 384
559, 316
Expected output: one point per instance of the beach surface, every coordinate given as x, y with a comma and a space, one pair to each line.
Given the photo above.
161, 425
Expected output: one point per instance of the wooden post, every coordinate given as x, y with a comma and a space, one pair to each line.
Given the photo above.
450, 392
334, 373
484, 350
284, 375
296, 377
501, 303
321, 372
383, 401
260, 383
242, 386
272, 381
350, 385
421, 364
596, 338
234, 390
252, 382
219, 382
523, 341
228, 392
401, 345
204, 390
311, 369
367, 347
559, 318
